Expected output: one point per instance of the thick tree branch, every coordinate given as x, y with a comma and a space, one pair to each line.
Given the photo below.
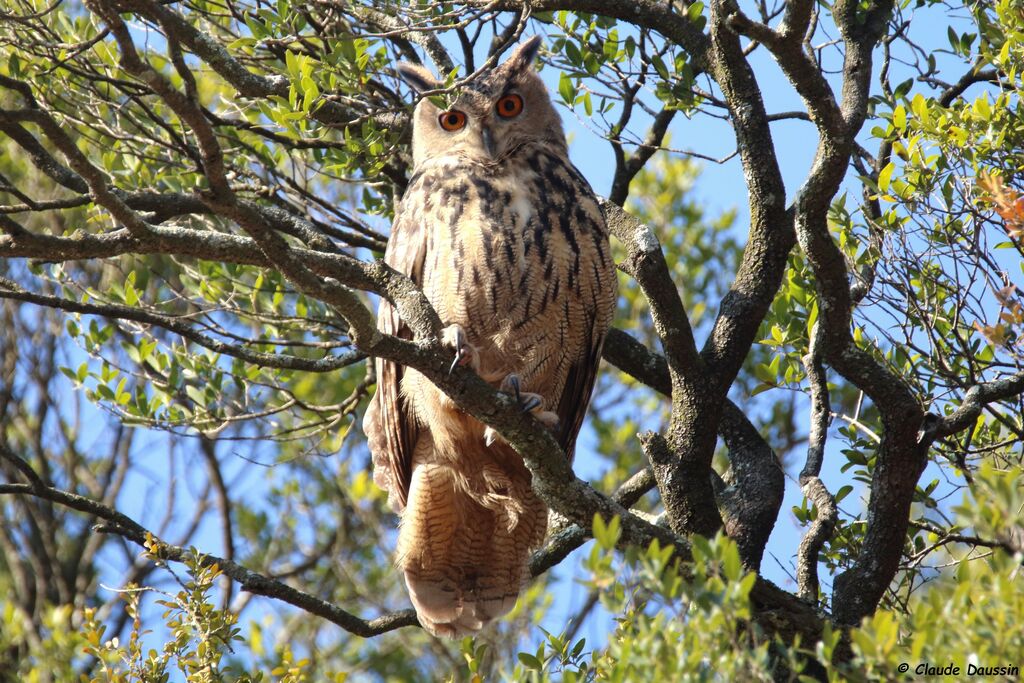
771, 233
976, 398
698, 396
900, 457
821, 412
798, 66
755, 485
973, 76
796, 19
755, 482
810, 481
645, 262
690, 507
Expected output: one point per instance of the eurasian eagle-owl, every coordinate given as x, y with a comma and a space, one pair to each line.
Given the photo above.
508, 243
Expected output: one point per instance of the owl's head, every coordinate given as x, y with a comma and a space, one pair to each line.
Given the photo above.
492, 117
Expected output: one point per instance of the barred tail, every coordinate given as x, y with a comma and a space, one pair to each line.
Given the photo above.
464, 544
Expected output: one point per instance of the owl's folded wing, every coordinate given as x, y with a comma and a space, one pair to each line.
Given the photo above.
390, 424
579, 383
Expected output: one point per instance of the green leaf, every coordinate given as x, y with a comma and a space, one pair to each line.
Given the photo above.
843, 492
566, 89
899, 118
611, 45
919, 105
982, 108
885, 177
530, 662
765, 373
659, 66
731, 564
607, 534
196, 395
572, 53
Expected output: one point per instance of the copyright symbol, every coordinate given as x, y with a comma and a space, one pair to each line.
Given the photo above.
903, 668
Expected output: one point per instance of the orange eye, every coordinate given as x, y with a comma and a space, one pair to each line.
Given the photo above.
509, 106
452, 120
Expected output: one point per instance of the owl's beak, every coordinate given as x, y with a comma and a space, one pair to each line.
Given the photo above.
488, 139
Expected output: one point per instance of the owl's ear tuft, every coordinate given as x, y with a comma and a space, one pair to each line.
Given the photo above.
523, 56
417, 76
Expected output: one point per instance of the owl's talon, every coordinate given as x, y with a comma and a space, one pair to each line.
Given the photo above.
510, 385
528, 401
455, 338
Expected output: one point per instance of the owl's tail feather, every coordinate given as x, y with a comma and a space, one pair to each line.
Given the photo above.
463, 552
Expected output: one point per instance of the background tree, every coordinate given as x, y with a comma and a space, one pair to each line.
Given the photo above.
195, 195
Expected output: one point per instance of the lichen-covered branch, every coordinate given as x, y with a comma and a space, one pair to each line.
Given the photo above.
679, 467
755, 482
810, 480
900, 458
